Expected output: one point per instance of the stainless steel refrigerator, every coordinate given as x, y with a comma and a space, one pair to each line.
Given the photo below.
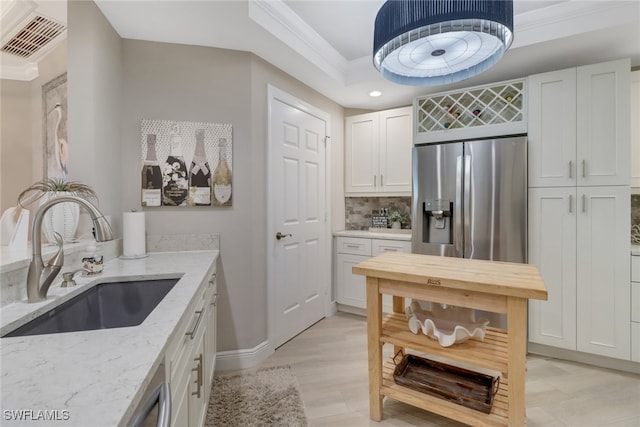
470, 199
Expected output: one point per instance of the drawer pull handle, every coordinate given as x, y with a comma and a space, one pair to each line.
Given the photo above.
353, 246
215, 300
199, 380
390, 249
192, 334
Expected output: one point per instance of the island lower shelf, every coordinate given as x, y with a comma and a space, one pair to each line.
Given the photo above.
492, 353
497, 417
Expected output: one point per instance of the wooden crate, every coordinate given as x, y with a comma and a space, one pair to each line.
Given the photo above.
462, 386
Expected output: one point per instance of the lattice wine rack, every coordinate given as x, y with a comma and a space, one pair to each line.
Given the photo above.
491, 110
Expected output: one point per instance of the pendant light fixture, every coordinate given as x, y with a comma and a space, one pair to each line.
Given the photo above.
437, 42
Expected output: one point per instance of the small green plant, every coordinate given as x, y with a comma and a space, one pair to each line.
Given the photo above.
55, 185
397, 216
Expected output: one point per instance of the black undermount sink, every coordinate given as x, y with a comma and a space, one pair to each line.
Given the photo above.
104, 306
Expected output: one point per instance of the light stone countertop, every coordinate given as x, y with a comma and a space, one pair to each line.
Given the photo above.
635, 250
373, 234
97, 376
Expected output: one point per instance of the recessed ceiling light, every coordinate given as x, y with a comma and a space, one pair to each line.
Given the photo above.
375, 93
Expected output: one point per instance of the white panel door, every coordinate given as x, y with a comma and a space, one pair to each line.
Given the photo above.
552, 129
361, 153
604, 275
604, 101
396, 143
297, 176
552, 248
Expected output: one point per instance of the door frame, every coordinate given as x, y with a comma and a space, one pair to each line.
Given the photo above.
275, 94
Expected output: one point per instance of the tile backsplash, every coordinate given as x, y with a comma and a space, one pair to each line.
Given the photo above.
358, 210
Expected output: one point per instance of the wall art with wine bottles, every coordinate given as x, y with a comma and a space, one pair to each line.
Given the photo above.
186, 163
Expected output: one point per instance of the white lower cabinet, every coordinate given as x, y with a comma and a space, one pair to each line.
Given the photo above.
579, 239
190, 359
351, 288
635, 308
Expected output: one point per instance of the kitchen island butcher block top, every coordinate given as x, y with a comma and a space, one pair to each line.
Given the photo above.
491, 277
498, 287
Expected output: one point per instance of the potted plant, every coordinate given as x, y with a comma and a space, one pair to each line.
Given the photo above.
398, 219
62, 218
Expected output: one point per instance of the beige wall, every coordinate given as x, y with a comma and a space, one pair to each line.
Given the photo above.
95, 106
21, 138
116, 83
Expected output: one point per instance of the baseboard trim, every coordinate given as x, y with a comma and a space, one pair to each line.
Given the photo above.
243, 358
586, 358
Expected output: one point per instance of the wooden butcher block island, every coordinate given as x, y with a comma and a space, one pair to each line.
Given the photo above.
498, 287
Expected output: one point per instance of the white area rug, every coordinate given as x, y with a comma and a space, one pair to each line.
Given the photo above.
262, 397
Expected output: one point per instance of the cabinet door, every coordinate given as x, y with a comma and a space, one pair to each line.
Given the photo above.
351, 287
635, 342
604, 101
197, 402
552, 129
396, 142
603, 313
210, 338
552, 248
361, 153
635, 129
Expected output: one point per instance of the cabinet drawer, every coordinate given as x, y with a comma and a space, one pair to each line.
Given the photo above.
354, 246
635, 301
380, 246
635, 268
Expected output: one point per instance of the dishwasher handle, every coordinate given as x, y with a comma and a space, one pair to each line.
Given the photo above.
161, 395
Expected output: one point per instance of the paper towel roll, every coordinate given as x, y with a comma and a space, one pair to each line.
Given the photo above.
133, 234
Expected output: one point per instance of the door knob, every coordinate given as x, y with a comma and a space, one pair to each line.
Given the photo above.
279, 235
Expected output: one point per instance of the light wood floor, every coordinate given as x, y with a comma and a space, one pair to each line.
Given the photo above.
330, 361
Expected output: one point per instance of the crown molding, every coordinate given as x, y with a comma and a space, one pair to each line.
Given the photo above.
571, 18
25, 72
279, 20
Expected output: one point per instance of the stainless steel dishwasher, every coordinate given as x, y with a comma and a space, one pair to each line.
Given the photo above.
154, 410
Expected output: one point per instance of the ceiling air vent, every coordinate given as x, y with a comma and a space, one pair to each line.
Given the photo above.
33, 36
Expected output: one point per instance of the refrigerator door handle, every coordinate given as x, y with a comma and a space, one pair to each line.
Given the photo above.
468, 207
457, 215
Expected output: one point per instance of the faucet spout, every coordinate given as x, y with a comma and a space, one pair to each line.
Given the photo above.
41, 275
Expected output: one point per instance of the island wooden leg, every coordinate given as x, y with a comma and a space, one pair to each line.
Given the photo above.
374, 330
398, 307
517, 342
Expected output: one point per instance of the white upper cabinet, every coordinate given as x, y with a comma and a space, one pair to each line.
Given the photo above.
378, 153
552, 129
604, 124
635, 129
579, 126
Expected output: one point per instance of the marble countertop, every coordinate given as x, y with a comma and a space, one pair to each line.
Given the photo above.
375, 234
97, 376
